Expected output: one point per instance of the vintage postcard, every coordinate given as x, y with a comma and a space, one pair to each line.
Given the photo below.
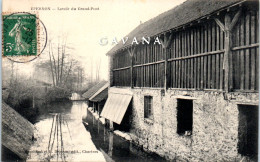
136, 80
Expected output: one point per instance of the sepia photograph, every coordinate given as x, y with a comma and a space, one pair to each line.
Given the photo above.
136, 80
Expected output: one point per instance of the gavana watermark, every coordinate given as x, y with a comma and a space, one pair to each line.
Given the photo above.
105, 41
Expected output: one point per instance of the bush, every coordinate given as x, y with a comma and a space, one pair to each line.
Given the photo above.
57, 93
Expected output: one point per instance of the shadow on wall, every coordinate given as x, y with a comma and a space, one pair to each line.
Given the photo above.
126, 121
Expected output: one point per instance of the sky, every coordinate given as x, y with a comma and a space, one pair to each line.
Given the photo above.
85, 28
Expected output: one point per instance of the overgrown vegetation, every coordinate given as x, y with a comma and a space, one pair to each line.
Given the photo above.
57, 94
20, 98
29, 87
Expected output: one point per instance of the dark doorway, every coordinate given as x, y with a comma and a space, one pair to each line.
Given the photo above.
126, 122
184, 116
248, 130
95, 107
90, 103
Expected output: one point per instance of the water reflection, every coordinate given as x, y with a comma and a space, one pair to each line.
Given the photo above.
76, 141
110, 146
78, 111
47, 111
76, 97
113, 147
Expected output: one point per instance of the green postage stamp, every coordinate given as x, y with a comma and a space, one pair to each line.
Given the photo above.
20, 34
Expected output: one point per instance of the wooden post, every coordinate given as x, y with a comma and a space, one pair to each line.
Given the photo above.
98, 126
165, 44
132, 76
33, 101
111, 126
98, 110
110, 144
166, 71
227, 53
110, 75
227, 63
131, 53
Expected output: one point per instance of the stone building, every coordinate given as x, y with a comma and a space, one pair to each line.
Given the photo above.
194, 94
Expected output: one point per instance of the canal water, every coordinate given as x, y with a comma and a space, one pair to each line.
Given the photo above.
114, 147
72, 130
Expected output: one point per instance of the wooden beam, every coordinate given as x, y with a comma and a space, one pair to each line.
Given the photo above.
227, 53
166, 41
166, 73
151, 63
220, 24
163, 41
111, 72
229, 25
165, 44
227, 63
123, 68
245, 47
111, 125
132, 72
131, 51
169, 41
197, 55
234, 20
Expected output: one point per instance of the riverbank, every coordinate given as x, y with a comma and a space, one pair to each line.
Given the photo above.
119, 133
117, 145
28, 100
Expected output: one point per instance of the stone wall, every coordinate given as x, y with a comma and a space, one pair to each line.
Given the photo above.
215, 124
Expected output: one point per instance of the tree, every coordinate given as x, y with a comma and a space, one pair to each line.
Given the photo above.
61, 63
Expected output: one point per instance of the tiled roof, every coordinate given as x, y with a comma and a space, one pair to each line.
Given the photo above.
186, 12
101, 96
94, 89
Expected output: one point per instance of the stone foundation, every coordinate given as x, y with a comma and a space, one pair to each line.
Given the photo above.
215, 124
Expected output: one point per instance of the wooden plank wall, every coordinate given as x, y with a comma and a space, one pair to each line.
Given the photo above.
245, 53
121, 69
195, 59
148, 66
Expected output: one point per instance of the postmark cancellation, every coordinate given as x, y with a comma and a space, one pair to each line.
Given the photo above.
21, 36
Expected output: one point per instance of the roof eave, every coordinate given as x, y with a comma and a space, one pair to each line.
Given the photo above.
109, 53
